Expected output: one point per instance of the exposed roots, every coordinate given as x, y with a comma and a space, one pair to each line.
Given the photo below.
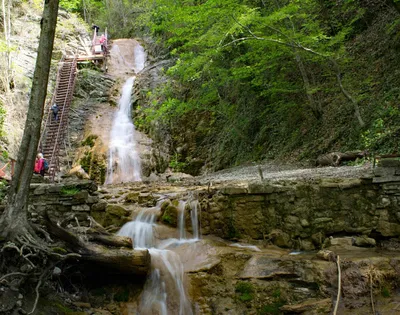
38, 286
339, 285
33, 256
375, 276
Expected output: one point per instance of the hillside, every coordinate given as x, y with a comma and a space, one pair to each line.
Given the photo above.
234, 82
21, 51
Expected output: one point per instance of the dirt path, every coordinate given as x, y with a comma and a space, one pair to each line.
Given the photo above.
275, 172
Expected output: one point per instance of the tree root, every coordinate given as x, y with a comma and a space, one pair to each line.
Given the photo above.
37, 288
339, 286
12, 274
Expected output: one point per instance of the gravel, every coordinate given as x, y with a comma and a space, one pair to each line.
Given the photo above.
275, 172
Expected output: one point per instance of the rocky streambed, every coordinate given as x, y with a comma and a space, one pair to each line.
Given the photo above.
258, 245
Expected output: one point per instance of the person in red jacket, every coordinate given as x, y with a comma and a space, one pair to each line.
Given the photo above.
39, 165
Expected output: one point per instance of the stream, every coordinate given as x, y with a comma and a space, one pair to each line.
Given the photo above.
195, 274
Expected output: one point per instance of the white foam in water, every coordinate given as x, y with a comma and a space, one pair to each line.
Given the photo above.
164, 292
140, 230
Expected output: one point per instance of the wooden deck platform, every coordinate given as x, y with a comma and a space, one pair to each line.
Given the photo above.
86, 58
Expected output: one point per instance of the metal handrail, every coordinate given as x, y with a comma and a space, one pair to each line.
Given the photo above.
63, 121
51, 102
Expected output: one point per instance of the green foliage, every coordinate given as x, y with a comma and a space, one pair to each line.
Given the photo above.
71, 5
176, 165
86, 161
3, 189
245, 290
384, 131
252, 80
2, 119
69, 190
385, 292
166, 218
273, 307
89, 141
4, 155
122, 295
62, 308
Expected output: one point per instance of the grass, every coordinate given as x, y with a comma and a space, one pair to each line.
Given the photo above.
166, 218
69, 191
245, 290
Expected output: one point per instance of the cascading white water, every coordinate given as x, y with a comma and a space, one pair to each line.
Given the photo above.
123, 159
194, 215
181, 219
164, 291
140, 230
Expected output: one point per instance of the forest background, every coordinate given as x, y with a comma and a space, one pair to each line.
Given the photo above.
268, 79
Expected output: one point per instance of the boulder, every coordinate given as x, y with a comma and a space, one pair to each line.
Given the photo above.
79, 172
364, 241
280, 238
169, 214
311, 306
132, 197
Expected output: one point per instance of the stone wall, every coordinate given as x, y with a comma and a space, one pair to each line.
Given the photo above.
64, 202
303, 214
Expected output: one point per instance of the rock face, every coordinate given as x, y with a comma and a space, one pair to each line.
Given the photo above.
302, 214
228, 279
71, 37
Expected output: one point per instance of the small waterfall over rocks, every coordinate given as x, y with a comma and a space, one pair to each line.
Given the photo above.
164, 292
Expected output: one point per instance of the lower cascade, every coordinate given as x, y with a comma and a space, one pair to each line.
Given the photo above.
165, 289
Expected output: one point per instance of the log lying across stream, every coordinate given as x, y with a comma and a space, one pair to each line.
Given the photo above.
117, 256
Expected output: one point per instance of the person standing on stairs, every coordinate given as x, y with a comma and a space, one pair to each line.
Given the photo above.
102, 40
54, 109
39, 165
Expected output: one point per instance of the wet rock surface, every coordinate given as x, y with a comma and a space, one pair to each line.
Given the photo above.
247, 273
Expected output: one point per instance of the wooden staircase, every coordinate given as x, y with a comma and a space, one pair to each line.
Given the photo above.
54, 131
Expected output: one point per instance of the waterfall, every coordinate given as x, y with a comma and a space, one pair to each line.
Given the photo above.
194, 215
164, 291
123, 158
140, 230
181, 219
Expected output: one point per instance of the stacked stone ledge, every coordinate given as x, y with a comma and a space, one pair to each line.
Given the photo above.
304, 214
63, 202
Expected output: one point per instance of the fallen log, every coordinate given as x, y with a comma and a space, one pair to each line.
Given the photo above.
336, 158
118, 260
109, 239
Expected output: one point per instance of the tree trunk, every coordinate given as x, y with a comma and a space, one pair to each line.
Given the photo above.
5, 28
336, 158
14, 219
357, 113
112, 257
